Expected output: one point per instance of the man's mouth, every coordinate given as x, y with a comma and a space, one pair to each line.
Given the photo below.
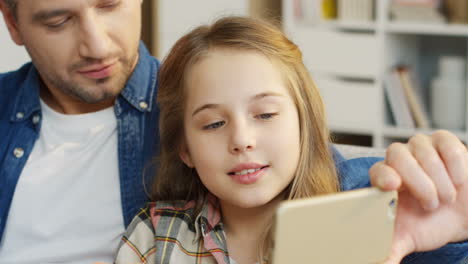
99, 71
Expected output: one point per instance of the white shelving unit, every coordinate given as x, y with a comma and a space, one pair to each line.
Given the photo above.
350, 60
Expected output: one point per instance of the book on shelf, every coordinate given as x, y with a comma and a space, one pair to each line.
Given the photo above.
356, 10
414, 98
399, 105
314, 11
423, 11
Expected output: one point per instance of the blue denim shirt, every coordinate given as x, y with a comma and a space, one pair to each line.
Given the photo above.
137, 125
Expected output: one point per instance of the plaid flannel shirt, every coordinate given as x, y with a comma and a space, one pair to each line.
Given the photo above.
169, 232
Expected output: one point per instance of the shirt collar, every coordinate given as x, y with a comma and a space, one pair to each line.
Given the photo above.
27, 101
209, 216
141, 87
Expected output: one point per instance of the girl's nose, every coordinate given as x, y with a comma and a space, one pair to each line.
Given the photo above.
242, 139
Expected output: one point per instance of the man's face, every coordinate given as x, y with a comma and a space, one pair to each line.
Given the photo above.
84, 49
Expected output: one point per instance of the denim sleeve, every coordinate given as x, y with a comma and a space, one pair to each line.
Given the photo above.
453, 253
354, 174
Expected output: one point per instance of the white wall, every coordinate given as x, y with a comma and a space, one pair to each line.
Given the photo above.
12, 56
174, 18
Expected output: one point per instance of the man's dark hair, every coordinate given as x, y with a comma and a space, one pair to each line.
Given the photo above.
11, 4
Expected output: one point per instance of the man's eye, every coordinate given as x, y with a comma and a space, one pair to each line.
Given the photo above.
266, 116
110, 4
58, 24
214, 125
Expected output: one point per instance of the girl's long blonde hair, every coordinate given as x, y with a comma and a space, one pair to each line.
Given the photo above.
315, 174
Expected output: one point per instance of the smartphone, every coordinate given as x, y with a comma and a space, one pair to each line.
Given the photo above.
352, 227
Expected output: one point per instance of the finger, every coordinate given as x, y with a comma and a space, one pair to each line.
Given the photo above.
384, 177
454, 154
426, 155
414, 178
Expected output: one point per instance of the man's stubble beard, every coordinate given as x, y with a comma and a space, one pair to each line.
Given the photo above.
88, 93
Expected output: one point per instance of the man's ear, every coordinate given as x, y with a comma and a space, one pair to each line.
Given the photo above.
11, 23
184, 155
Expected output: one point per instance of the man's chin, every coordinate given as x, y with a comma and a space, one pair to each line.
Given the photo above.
100, 91
101, 99
93, 95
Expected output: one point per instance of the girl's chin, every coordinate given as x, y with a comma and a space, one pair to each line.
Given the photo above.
253, 203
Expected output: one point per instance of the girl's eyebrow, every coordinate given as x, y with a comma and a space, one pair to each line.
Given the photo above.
266, 94
254, 98
203, 107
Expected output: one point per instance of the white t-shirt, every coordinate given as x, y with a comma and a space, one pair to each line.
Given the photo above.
67, 206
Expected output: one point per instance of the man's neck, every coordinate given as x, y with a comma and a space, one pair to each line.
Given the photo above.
71, 106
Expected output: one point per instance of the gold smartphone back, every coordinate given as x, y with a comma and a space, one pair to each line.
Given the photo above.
353, 227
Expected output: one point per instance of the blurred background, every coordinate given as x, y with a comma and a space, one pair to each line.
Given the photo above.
387, 69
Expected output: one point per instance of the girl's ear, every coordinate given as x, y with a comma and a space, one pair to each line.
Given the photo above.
184, 155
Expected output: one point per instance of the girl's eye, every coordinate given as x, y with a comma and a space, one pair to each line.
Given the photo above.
266, 116
214, 125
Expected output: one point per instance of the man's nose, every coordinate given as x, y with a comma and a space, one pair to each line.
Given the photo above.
94, 41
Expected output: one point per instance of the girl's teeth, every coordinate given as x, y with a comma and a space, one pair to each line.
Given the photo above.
244, 172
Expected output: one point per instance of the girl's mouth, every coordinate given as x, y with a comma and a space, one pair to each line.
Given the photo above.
248, 176
246, 171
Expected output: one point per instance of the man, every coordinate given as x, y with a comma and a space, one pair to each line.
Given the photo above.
77, 125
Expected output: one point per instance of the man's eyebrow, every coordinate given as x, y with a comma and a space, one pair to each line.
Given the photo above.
47, 14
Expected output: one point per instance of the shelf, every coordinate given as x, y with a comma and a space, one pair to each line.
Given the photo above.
351, 130
427, 29
341, 25
350, 63
399, 132
362, 77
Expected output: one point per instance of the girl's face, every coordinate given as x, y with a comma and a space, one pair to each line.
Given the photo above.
241, 127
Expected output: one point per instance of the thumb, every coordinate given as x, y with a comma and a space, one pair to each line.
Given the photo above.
400, 248
393, 259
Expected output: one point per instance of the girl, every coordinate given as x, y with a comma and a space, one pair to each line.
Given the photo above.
242, 129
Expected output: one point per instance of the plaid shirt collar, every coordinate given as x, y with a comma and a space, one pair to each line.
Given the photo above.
208, 218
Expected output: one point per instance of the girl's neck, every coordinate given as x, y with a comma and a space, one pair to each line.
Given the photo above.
248, 221
246, 227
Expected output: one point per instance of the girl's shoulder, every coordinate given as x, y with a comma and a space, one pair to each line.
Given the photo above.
158, 212
159, 207
153, 211
150, 225
172, 223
